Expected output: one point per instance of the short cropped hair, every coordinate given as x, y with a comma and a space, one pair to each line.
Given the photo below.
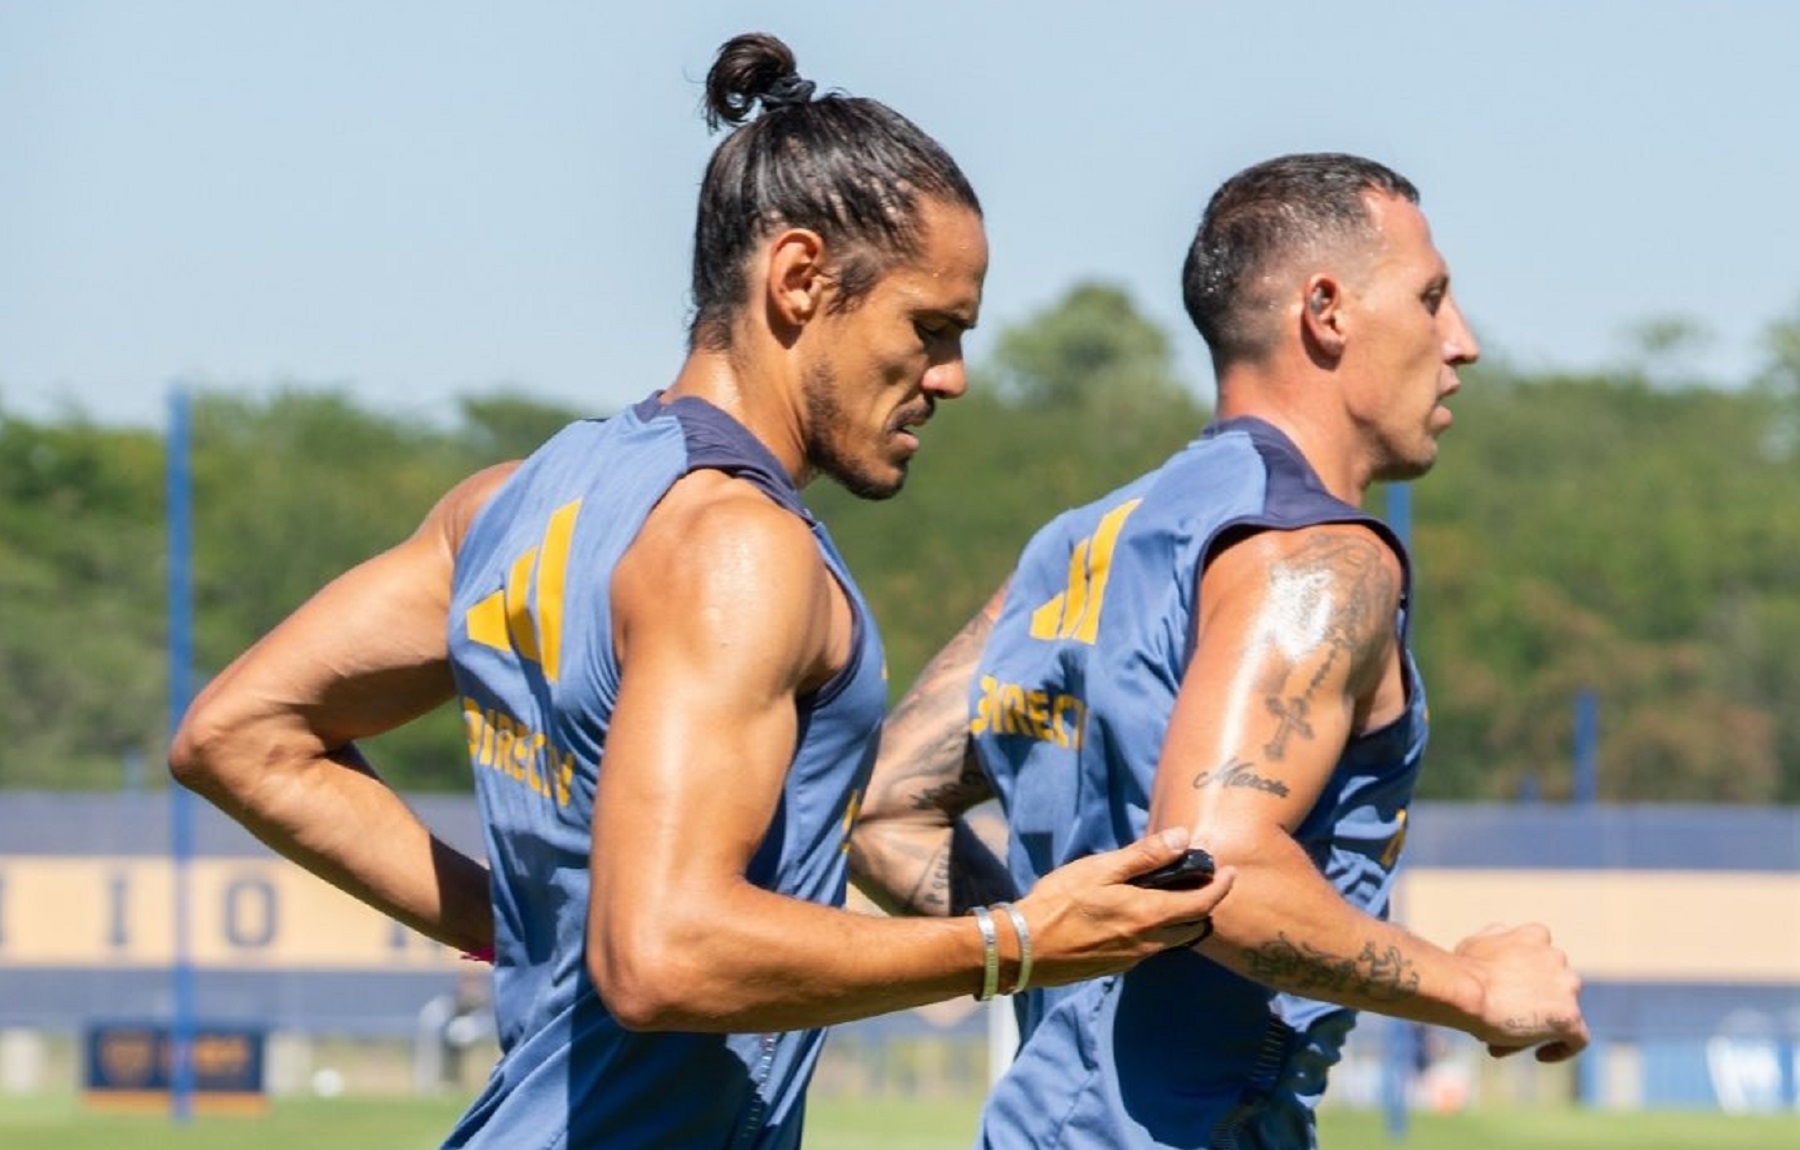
1257, 221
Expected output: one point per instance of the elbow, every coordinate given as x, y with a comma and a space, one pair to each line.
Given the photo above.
224, 754
194, 750
643, 981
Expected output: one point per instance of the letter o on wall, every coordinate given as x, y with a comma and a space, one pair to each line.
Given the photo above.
249, 916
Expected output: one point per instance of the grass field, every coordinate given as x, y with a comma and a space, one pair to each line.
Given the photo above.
59, 1123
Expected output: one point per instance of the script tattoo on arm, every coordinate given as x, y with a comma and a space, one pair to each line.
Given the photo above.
1375, 975
1336, 595
1237, 773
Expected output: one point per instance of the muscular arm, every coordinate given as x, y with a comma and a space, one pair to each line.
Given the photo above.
725, 615
911, 850
271, 740
1296, 654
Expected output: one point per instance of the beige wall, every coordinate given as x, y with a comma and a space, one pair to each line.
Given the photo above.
1625, 925
244, 914
1616, 925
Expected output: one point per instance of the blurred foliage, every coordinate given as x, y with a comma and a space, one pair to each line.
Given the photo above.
1627, 533
1604, 533
288, 492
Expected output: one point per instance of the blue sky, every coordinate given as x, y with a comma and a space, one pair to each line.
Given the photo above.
414, 200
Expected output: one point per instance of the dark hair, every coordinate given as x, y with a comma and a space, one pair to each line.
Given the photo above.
1261, 217
851, 169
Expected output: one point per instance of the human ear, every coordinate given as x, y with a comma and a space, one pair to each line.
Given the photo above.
1321, 319
796, 280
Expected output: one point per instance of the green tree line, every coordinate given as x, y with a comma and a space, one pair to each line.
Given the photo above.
1620, 533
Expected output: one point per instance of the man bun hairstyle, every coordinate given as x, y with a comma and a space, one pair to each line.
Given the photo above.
750, 68
1258, 220
849, 168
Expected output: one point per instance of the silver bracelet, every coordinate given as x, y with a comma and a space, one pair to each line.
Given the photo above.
1024, 933
990, 948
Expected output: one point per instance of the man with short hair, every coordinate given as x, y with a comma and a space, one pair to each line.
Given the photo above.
671, 686
1220, 645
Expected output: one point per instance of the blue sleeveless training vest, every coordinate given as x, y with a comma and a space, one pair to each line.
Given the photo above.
1070, 705
537, 679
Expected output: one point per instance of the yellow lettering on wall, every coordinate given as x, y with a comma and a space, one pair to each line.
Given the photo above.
245, 913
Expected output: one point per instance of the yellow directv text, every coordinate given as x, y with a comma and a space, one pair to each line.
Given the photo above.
499, 742
1010, 709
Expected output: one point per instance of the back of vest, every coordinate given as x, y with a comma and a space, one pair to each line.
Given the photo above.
538, 678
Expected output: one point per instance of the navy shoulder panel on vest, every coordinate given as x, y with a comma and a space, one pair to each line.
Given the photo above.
717, 442
1296, 496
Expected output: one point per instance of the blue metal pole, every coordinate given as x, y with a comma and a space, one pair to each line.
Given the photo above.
1587, 746
1396, 1061
1399, 511
1396, 1071
181, 818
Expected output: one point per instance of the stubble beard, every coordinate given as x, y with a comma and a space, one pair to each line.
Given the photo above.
1403, 466
827, 427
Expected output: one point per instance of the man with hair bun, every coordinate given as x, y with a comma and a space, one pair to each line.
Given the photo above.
1231, 632
671, 686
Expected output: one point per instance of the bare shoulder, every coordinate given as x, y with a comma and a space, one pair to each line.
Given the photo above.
723, 564
1332, 583
713, 527
1335, 557
449, 520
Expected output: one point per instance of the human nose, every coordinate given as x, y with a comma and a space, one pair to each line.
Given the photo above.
1460, 344
948, 379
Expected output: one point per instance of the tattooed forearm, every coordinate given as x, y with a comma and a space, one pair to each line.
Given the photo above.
901, 873
905, 872
925, 762
931, 895
970, 786
1377, 974
903, 851
1237, 773
1332, 602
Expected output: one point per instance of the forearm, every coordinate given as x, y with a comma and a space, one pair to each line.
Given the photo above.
911, 851
1507, 986
903, 869
752, 961
937, 870
329, 813
1287, 928
713, 955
